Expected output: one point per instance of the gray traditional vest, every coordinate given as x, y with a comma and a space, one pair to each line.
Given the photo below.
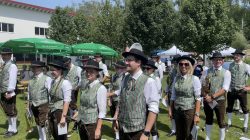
4, 77
56, 96
132, 107
116, 83
101, 73
239, 76
216, 81
71, 75
184, 90
88, 105
84, 80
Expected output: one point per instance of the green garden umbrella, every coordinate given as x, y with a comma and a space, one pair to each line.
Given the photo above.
37, 46
92, 48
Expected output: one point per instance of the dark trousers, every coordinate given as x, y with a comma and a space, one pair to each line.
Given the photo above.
219, 112
241, 95
87, 131
73, 103
9, 105
184, 120
131, 135
54, 120
40, 113
113, 107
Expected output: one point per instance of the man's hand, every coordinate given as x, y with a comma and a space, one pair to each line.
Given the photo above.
7, 96
247, 88
143, 137
196, 119
208, 99
115, 126
97, 133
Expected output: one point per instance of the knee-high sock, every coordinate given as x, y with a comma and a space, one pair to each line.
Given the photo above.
117, 135
155, 137
246, 116
39, 132
43, 133
229, 118
9, 124
222, 133
173, 125
208, 131
13, 120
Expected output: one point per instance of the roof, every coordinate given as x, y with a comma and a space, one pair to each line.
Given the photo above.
26, 6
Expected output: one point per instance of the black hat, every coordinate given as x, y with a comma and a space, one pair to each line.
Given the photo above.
137, 53
238, 51
120, 64
93, 65
37, 64
98, 55
217, 55
57, 64
66, 59
186, 57
6, 51
84, 58
150, 63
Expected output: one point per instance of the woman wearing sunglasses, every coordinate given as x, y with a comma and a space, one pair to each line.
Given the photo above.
185, 98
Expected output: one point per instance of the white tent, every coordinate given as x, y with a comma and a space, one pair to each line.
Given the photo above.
227, 51
172, 51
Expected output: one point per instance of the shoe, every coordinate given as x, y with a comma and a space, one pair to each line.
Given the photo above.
172, 134
245, 130
10, 134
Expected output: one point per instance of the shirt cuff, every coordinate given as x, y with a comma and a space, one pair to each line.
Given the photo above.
225, 88
153, 107
101, 115
67, 100
12, 94
198, 98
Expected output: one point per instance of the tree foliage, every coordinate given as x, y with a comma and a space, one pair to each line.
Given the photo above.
239, 41
204, 24
151, 23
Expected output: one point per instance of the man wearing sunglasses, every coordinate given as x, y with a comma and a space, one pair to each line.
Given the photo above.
138, 95
217, 80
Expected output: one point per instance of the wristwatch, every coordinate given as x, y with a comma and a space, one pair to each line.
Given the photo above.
146, 133
197, 114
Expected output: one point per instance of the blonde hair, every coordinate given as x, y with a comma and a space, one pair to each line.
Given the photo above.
190, 68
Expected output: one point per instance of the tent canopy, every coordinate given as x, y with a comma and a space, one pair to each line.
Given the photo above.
172, 51
227, 51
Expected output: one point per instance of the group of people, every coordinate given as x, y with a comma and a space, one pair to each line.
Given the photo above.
133, 95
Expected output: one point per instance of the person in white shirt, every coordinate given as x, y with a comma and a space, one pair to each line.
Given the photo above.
93, 102
159, 64
8, 80
214, 87
150, 71
104, 74
38, 102
59, 99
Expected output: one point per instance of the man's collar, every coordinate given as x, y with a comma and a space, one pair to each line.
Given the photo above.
93, 83
239, 62
137, 74
217, 68
39, 75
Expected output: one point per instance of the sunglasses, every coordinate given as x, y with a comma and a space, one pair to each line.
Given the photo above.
184, 64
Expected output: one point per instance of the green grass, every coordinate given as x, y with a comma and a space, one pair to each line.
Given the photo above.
163, 126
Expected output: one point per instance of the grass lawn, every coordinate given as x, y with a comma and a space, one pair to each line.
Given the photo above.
163, 125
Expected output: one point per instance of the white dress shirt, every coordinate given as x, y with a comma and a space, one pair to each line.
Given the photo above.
158, 82
66, 89
12, 78
101, 99
104, 68
150, 93
47, 83
227, 78
196, 87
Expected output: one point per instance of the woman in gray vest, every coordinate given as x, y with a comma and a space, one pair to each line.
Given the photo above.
238, 87
185, 98
93, 101
217, 81
150, 71
8, 79
60, 97
38, 89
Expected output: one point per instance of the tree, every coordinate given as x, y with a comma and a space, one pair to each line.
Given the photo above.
151, 23
239, 41
62, 27
204, 24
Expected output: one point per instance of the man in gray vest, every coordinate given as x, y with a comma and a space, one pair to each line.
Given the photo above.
238, 88
38, 89
8, 79
138, 95
150, 71
217, 79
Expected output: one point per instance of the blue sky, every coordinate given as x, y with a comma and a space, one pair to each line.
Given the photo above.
52, 3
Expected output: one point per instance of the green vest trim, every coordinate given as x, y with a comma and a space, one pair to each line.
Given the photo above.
132, 107
38, 92
56, 96
4, 77
184, 90
88, 105
239, 76
116, 83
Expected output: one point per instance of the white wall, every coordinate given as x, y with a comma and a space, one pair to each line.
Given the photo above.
24, 22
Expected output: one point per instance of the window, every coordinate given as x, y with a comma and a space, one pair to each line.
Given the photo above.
6, 27
40, 31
